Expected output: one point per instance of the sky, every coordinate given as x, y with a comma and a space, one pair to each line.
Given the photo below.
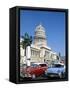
53, 22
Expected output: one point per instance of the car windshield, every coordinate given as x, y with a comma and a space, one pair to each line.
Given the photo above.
42, 65
34, 65
57, 65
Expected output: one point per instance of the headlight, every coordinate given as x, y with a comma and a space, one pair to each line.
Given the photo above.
46, 72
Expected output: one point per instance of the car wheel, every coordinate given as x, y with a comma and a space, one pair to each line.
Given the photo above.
43, 75
63, 75
33, 76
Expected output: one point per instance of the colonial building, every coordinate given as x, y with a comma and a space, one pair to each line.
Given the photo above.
40, 51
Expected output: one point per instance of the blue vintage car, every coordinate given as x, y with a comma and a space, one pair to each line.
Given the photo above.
56, 70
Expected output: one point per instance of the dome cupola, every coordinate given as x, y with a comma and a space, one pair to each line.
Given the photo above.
40, 31
40, 36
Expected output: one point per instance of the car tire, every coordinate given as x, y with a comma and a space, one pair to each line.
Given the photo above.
33, 76
63, 75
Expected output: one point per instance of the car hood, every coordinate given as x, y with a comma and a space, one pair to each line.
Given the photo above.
52, 70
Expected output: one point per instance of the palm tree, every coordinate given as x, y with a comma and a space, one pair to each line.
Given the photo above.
27, 41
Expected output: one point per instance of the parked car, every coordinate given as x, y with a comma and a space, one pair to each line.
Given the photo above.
35, 70
56, 70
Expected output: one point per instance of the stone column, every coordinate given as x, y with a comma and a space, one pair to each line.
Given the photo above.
28, 55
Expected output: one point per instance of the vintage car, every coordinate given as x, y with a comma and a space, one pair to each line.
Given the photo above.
35, 70
56, 70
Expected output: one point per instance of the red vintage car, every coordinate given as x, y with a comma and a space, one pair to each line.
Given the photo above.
35, 70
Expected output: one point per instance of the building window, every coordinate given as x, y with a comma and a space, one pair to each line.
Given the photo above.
35, 53
32, 52
47, 54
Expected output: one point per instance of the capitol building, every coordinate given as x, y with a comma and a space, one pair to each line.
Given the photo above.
40, 51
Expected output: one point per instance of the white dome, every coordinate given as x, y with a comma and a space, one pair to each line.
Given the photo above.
40, 36
40, 31
40, 28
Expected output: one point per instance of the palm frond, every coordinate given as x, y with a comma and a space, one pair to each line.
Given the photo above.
27, 40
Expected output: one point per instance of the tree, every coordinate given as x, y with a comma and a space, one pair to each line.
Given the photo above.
26, 41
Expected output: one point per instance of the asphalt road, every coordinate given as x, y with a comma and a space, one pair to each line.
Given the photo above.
40, 78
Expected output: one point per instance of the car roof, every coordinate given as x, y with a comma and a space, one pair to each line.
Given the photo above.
59, 63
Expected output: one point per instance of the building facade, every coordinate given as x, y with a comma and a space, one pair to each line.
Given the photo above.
40, 52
